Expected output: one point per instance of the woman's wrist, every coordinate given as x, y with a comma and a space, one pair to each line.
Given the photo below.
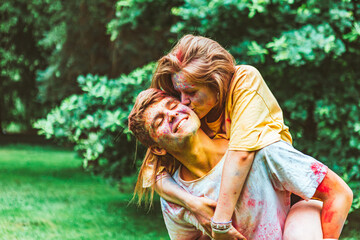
222, 216
220, 227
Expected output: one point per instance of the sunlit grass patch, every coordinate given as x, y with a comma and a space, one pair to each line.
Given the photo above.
46, 195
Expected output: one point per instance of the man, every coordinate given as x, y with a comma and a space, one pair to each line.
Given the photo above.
168, 127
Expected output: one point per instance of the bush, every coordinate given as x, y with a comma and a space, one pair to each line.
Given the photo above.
96, 121
307, 51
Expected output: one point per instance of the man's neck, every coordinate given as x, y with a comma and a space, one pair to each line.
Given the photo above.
200, 155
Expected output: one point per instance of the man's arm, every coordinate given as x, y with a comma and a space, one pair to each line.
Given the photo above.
236, 168
337, 199
201, 207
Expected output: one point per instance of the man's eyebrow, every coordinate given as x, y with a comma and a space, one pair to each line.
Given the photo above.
169, 102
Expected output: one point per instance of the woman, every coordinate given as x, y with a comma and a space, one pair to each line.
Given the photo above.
233, 102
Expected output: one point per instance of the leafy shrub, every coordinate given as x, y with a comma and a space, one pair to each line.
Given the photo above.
307, 51
96, 121
309, 54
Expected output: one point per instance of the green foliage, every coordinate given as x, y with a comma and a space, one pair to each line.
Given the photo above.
96, 121
46, 45
77, 43
21, 28
308, 53
140, 31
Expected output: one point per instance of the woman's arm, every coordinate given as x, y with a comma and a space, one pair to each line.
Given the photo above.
337, 199
236, 168
201, 207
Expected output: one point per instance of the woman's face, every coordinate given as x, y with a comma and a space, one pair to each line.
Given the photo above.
199, 97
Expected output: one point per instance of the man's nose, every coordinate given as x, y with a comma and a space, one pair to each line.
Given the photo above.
185, 99
172, 115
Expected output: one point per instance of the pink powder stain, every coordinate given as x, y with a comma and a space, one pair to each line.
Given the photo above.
179, 56
174, 206
318, 170
251, 202
228, 120
261, 203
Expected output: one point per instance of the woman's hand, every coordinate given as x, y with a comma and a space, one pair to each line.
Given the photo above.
231, 234
203, 209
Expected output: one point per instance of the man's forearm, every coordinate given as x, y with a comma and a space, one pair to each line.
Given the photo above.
168, 189
236, 168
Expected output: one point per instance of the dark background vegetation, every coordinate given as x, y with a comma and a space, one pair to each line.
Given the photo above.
71, 69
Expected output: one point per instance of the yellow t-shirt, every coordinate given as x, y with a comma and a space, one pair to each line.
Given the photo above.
253, 118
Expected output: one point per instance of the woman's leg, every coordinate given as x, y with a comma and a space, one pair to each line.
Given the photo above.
303, 221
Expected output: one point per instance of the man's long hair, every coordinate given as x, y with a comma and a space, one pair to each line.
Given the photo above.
153, 165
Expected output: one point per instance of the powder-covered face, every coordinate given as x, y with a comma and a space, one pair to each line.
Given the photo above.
170, 123
199, 97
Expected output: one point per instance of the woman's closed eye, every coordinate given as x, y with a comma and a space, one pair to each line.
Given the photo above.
190, 92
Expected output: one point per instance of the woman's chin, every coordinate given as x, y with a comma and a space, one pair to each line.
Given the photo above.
200, 115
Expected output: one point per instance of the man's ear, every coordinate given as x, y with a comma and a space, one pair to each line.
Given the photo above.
158, 150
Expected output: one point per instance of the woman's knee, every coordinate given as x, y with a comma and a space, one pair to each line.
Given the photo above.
304, 221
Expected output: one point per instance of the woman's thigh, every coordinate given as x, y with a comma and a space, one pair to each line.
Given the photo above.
303, 221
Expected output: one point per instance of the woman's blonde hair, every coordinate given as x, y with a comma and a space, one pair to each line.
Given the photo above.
152, 164
202, 61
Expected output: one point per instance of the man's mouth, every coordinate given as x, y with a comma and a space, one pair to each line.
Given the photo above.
180, 124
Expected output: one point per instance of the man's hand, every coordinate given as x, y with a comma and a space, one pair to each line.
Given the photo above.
231, 234
203, 209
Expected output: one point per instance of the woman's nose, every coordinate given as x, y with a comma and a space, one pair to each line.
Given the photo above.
185, 99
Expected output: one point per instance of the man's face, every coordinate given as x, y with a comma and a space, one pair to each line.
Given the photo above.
170, 123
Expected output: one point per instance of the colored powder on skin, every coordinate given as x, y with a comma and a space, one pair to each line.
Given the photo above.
328, 214
323, 188
180, 83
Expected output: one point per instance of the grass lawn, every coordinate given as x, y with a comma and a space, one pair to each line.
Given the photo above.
44, 194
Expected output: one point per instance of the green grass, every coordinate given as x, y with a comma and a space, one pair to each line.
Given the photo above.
44, 194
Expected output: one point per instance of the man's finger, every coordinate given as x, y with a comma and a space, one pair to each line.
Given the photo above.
211, 202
